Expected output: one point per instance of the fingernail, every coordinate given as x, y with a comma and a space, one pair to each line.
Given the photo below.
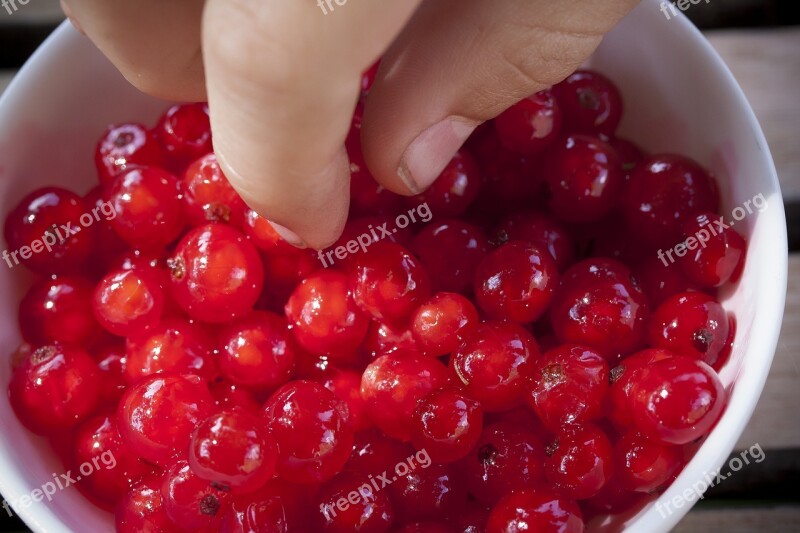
428, 154
289, 236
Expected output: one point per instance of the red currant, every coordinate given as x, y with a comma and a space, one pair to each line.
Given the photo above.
425, 491
644, 465
535, 510
208, 196
715, 254
123, 147
579, 461
447, 424
443, 322
591, 103
541, 230
127, 302
349, 502
142, 511
58, 310
622, 378
184, 133
192, 502
455, 188
531, 125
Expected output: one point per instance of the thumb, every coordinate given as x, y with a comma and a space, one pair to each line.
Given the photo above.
458, 64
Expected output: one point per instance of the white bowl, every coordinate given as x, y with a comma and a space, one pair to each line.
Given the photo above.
680, 97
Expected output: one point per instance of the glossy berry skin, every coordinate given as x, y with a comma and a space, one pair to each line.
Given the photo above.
677, 400
715, 253
443, 322
142, 510
127, 302
451, 250
600, 305
392, 385
259, 511
123, 147
257, 351
660, 281
192, 502
50, 214
157, 415
447, 424
691, 323
310, 425
324, 317
54, 389
427, 492
540, 229
645, 465
261, 233
590, 102
508, 457
234, 450
208, 196
118, 467
184, 133
568, 386
584, 178
384, 338
389, 283
370, 511
228, 396
494, 364
375, 452
148, 209
174, 345
663, 192
579, 461
58, 310
216, 274
623, 376
530, 125
535, 510
112, 362
454, 190
516, 282
346, 385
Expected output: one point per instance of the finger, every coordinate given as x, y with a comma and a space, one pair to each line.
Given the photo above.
283, 79
458, 64
154, 43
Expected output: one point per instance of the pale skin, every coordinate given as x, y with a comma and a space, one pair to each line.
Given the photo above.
282, 80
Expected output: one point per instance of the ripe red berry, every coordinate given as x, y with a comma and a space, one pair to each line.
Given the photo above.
535, 510
568, 386
58, 310
174, 345
184, 133
234, 450
208, 196
677, 400
443, 322
579, 461
310, 426
450, 250
623, 377
124, 147
508, 457
516, 282
715, 251
425, 491
46, 234
645, 465
375, 453
600, 305
142, 509
147, 207
384, 338
389, 283
584, 178
54, 389
369, 511
590, 102
157, 415
541, 230
257, 351
454, 190
258, 511
216, 274
324, 317
128, 302
530, 125
660, 281
691, 323
662, 193
346, 385
392, 385
494, 364
261, 233
447, 424
192, 502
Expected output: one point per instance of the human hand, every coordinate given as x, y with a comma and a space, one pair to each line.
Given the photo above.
282, 79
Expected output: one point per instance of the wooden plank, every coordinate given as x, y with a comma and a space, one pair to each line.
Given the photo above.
765, 64
741, 520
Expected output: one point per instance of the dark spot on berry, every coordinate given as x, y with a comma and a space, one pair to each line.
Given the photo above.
220, 486
45, 353
209, 505
589, 99
551, 448
177, 268
553, 375
701, 340
123, 139
487, 454
616, 373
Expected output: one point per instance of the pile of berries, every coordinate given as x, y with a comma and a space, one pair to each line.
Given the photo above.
529, 343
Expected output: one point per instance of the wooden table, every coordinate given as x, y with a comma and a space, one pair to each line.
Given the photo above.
767, 66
